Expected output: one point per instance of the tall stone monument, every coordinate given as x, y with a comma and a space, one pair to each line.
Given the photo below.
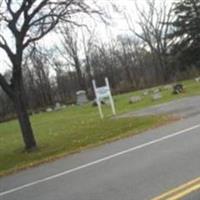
81, 97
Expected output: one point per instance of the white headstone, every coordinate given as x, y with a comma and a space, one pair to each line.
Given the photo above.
156, 90
145, 93
197, 79
157, 96
49, 110
64, 106
58, 106
81, 97
168, 87
135, 99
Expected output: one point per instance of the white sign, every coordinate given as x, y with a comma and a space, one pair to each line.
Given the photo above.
101, 93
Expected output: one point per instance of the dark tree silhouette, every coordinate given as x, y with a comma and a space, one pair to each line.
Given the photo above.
186, 32
28, 21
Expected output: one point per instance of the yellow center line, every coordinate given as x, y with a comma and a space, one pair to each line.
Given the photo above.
181, 191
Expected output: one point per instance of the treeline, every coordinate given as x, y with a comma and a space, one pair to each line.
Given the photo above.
164, 49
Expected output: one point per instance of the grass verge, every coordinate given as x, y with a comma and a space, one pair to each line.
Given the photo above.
76, 128
57, 143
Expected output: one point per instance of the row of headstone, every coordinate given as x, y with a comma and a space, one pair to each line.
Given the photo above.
151, 91
155, 94
136, 99
82, 98
57, 107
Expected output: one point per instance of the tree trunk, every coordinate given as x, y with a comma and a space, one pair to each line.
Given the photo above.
16, 93
23, 117
89, 73
80, 77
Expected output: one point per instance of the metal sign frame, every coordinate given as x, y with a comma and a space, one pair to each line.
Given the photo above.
101, 93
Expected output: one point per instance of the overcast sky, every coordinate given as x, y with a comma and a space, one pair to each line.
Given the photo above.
118, 25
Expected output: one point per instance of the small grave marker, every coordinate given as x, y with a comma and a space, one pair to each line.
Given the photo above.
156, 90
135, 99
58, 106
145, 93
167, 87
197, 79
157, 96
63, 106
49, 110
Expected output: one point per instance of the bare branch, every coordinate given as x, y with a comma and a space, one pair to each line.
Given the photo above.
5, 47
6, 87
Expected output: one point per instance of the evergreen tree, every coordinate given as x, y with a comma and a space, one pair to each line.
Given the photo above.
186, 32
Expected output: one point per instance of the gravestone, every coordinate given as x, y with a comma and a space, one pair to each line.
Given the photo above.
49, 110
167, 87
63, 106
135, 99
81, 97
197, 79
58, 106
145, 93
178, 88
156, 90
156, 96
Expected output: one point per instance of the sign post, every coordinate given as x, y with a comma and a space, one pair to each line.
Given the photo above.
101, 93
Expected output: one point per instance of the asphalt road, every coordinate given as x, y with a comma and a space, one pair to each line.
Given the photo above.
193, 196
137, 168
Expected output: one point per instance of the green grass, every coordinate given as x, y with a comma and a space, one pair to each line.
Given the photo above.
76, 128
191, 89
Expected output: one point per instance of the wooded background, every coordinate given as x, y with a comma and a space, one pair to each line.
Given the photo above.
164, 49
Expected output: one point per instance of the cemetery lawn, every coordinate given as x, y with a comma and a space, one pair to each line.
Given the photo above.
76, 128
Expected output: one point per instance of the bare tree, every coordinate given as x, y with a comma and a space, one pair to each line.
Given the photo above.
28, 21
64, 84
41, 70
88, 43
71, 51
103, 63
126, 57
154, 23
